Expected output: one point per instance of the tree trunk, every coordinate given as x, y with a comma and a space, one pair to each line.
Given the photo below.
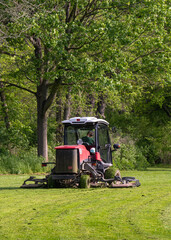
67, 109
101, 106
90, 105
4, 107
42, 122
79, 110
59, 127
42, 136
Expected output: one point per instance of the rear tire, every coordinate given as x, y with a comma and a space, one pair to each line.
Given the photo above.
85, 181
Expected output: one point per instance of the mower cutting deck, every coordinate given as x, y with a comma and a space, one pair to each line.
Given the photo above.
84, 159
125, 182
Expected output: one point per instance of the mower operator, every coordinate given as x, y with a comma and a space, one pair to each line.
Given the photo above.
89, 138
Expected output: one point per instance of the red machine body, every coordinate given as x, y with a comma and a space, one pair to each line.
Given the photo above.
82, 151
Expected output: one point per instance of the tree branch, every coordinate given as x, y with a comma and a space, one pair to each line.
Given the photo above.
96, 38
130, 44
167, 110
52, 94
144, 55
7, 53
17, 86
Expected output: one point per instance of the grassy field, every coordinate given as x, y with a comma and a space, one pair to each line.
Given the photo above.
97, 213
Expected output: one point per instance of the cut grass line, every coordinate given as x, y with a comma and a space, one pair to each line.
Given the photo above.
98, 213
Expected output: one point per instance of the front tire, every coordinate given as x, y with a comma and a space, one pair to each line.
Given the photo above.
110, 173
85, 181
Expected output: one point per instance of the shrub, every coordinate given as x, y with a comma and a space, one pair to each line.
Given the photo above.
130, 157
24, 162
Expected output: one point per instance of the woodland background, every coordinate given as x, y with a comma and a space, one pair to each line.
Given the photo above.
61, 59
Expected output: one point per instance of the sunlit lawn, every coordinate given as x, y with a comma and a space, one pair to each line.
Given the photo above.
97, 213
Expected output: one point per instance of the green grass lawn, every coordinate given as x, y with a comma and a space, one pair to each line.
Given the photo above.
97, 213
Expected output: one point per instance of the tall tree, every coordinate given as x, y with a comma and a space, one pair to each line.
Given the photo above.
54, 43
48, 36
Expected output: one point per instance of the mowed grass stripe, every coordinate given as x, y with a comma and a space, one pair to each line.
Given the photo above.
101, 213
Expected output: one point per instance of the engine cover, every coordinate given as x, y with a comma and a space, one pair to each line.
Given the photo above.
70, 157
66, 161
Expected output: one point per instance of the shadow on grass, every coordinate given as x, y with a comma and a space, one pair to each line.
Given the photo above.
16, 188
9, 188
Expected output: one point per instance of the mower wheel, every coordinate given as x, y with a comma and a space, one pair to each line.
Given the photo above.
110, 173
137, 183
53, 183
85, 181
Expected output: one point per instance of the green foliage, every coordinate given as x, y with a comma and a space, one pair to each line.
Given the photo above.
22, 118
24, 162
130, 157
117, 49
146, 120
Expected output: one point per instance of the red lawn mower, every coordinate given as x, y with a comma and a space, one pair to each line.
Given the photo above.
85, 159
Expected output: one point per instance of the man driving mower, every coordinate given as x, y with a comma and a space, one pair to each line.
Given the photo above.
89, 138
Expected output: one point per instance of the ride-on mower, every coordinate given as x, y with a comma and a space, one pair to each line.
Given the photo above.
85, 159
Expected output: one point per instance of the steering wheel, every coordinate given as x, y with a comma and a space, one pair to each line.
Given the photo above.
80, 142
85, 143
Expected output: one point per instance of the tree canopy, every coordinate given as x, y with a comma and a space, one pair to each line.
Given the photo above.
82, 57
